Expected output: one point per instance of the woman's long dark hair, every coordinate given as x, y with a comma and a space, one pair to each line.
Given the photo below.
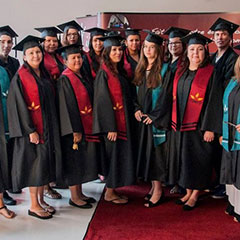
185, 61
95, 58
120, 65
154, 78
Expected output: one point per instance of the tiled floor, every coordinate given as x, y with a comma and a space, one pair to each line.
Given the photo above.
67, 224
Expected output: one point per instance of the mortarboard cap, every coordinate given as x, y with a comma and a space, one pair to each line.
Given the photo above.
70, 49
153, 37
28, 42
7, 30
72, 24
222, 24
196, 38
48, 31
96, 31
112, 40
173, 32
132, 31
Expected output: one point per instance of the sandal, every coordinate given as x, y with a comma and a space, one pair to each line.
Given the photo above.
52, 194
48, 208
7, 213
117, 202
35, 214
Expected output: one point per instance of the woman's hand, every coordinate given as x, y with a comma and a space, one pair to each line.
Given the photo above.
77, 137
34, 138
112, 136
220, 140
147, 119
138, 115
208, 136
238, 127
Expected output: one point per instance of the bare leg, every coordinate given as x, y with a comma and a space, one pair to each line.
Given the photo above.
35, 205
111, 195
76, 194
187, 195
193, 198
4, 210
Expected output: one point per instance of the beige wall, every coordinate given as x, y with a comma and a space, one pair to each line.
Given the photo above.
24, 15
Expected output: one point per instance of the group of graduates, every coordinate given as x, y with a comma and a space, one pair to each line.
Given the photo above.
161, 110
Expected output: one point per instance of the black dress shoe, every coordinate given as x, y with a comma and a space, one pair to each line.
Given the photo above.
89, 200
86, 205
180, 202
15, 192
160, 201
8, 200
189, 208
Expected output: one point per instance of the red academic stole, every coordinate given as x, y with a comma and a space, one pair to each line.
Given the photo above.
115, 91
127, 65
31, 96
90, 64
51, 65
84, 104
195, 98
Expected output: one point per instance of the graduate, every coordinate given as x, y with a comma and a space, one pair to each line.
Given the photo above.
11, 64
152, 154
196, 109
112, 119
33, 126
175, 50
53, 62
230, 168
4, 169
71, 34
81, 150
132, 50
92, 59
223, 60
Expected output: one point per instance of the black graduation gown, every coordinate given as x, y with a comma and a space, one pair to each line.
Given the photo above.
152, 161
78, 166
86, 68
4, 173
11, 66
230, 167
225, 65
191, 157
33, 165
119, 163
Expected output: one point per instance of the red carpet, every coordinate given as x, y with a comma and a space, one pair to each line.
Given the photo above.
165, 222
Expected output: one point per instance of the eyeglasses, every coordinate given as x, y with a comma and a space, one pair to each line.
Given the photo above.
174, 43
72, 34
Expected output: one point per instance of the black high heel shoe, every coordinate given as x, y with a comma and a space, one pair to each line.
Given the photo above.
160, 201
189, 208
180, 202
147, 197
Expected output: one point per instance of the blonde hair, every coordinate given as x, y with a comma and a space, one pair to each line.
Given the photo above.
237, 70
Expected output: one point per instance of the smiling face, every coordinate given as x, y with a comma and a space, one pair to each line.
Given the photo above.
133, 42
6, 44
33, 56
222, 38
175, 46
50, 44
74, 62
116, 54
196, 54
149, 50
97, 44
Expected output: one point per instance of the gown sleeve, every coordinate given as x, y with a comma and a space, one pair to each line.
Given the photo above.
19, 119
212, 116
103, 113
70, 119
